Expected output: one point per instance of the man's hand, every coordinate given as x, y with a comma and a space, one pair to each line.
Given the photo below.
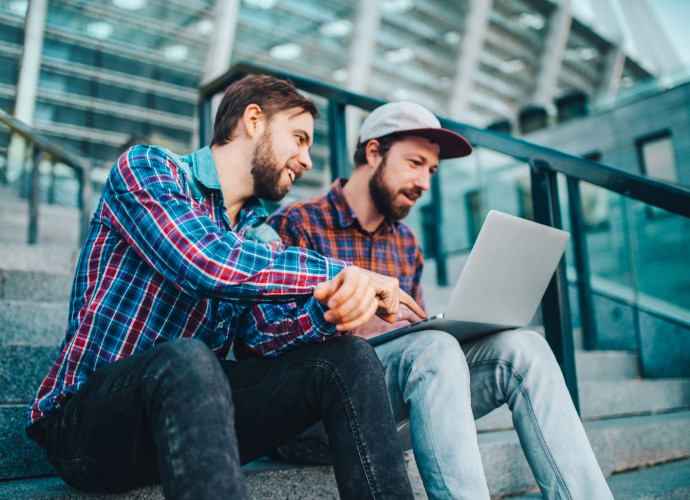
390, 296
376, 326
355, 295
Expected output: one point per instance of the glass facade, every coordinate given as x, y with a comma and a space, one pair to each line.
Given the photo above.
113, 72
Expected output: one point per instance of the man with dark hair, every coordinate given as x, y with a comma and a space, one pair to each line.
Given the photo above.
436, 384
141, 391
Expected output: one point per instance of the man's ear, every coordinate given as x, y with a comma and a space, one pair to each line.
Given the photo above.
373, 155
253, 120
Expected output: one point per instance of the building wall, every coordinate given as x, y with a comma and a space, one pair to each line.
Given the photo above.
613, 135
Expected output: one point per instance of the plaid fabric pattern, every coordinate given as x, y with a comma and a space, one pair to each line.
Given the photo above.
158, 264
329, 226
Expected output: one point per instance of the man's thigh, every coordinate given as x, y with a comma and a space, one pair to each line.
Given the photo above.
419, 355
107, 436
499, 362
276, 398
94, 436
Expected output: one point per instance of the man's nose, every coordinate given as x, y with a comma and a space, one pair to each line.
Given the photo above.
305, 159
423, 180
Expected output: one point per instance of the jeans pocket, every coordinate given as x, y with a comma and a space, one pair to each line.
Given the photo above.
87, 474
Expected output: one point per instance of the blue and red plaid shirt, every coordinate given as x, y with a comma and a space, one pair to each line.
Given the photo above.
161, 263
328, 225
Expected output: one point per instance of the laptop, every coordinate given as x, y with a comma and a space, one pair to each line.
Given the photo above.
502, 283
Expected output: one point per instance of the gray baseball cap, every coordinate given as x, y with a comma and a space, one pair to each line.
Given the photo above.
409, 118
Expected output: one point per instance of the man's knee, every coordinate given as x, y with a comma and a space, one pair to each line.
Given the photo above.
187, 359
434, 351
526, 350
349, 352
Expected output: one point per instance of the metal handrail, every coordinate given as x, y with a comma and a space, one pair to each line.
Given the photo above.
545, 164
660, 194
61, 154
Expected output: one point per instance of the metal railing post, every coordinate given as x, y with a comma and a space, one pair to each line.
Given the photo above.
555, 305
205, 125
590, 337
85, 194
52, 184
32, 237
337, 139
437, 230
30, 184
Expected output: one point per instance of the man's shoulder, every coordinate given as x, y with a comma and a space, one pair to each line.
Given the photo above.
144, 164
147, 154
148, 150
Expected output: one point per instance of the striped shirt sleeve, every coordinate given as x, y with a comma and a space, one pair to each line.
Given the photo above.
153, 214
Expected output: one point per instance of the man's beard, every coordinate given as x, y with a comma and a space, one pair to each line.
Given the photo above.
383, 196
266, 172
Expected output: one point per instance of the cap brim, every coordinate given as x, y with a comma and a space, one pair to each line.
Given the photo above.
452, 144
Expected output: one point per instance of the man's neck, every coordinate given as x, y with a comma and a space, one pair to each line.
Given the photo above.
233, 165
358, 196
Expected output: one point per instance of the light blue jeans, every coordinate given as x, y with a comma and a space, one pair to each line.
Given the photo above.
441, 387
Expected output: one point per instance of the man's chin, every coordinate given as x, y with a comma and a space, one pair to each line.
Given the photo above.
276, 195
399, 213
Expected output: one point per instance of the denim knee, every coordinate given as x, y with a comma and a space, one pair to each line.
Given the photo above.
188, 360
526, 351
350, 354
434, 350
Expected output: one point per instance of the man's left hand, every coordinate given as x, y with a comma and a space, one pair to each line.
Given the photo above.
354, 295
376, 326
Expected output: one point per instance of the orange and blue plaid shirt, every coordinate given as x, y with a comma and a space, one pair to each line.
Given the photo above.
328, 225
161, 263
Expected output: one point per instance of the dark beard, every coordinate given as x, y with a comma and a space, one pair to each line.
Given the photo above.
266, 172
383, 197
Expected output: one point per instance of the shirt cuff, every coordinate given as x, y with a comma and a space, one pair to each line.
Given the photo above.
334, 266
320, 328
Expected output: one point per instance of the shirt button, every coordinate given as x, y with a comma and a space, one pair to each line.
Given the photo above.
220, 324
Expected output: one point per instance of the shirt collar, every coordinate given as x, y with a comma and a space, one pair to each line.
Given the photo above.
204, 167
204, 170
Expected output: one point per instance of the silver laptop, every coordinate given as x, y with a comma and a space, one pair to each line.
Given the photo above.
502, 283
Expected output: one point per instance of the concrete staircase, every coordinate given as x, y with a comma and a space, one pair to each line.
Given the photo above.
639, 429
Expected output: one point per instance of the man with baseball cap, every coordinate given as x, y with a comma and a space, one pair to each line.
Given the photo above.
435, 384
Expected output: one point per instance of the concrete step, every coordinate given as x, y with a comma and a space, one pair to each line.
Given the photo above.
19, 456
58, 259
611, 398
669, 481
620, 445
36, 272
36, 286
22, 369
57, 225
628, 397
606, 365
32, 323
265, 480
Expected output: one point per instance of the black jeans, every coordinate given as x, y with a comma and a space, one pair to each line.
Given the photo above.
167, 415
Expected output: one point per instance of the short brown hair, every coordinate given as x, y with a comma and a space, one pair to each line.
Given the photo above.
385, 143
271, 94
